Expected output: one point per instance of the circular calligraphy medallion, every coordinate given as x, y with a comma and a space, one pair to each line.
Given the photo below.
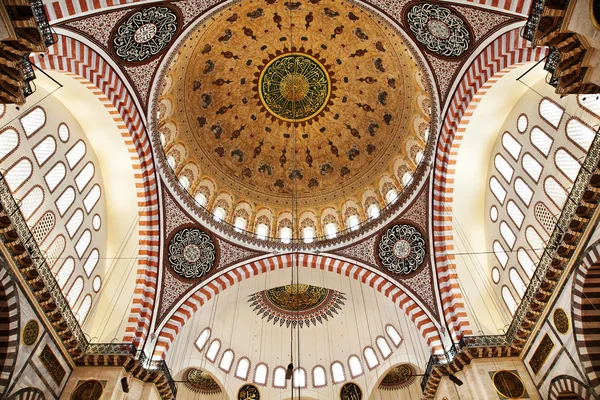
508, 384
438, 29
294, 87
248, 392
145, 33
402, 249
31, 332
191, 253
201, 382
561, 320
350, 391
398, 378
88, 390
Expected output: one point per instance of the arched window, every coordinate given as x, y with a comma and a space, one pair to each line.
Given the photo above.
494, 213
371, 357
75, 291
75, 154
337, 372
96, 222
42, 228
299, 378
507, 234
532, 167
74, 222
260, 374
171, 161
331, 230
544, 217
279, 377
509, 300
511, 145
555, 191
84, 309
44, 150
526, 262
383, 347
394, 335
353, 222
226, 360
590, 102
96, 284
535, 241
84, 177
541, 141
32, 202
200, 199
391, 196
503, 167
523, 191
319, 377
55, 176
497, 189
515, 213
243, 368
83, 243
213, 350
262, 231
219, 213
308, 234
580, 134
63, 132
495, 274
551, 112
91, 262
517, 282
64, 273
355, 366
522, 123
33, 121
55, 250
285, 234
239, 224
406, 178
65, 200
184, 182
203, 339
18, 174
567, 164
92, 198
500, 253
373, 211
9, 140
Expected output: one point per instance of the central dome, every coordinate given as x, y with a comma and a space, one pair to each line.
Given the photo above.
319, 98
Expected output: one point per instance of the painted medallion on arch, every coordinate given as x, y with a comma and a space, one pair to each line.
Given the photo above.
398, 378
351, 391
201, 382
401, 249
191, 253
248, 392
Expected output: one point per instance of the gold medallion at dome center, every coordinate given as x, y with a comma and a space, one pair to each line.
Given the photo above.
294, 87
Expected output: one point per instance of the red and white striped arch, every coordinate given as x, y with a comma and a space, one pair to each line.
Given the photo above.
506, 52
375, 280
74, 57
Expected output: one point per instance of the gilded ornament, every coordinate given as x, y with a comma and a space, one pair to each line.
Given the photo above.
508, 384
52, 365
402, 249
398, 378
541, 354
88, 390
561, 320
31, 332
248, 392
350, 391
191, 253
201, 382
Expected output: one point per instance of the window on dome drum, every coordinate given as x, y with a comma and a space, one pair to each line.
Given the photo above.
509, 300
75, 154
522, 123
526, 262
44, 150
494, 213
419, 156
64, 273
226, 360
551, 112
371, 357
523, 191
184, 182
18, 174
394, 335
355, 366
84, 308
495, 274
213, 350
383, 347
92, 198
260, 374
589, 102
567, 164
262, 231
63, 132
75, 291
580, 134
318, 374
500, 253
33, 121
243, 368
503, 167
532, 167
285, 234
373, 211
406, 178
426, 134
517, 282
65, 200
511, 145
171, 161
9, 140
331, 230
74, 222
541, 141
353, 222
279, 377
32, 201
497, 189
203, 339
219, 214
83, 243
91, 262
308, 234
84, 176
299, 378
162, 139
535, 241
507, 234
55, 176
337, 372
515, 214
239, 224
391, 196
200, 199
555, 191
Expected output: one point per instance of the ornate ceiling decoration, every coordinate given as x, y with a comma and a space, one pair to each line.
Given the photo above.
201, 382
191, 253
90, 390
399, 377
297, 304
401, 249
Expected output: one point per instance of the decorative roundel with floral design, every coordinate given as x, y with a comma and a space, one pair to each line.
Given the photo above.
145, 33
401, 249
439, 29
191, 253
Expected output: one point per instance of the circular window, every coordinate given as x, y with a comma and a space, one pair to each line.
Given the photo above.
495, 275
63, 132
522, 123
96, 222
97, 283
494, 213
